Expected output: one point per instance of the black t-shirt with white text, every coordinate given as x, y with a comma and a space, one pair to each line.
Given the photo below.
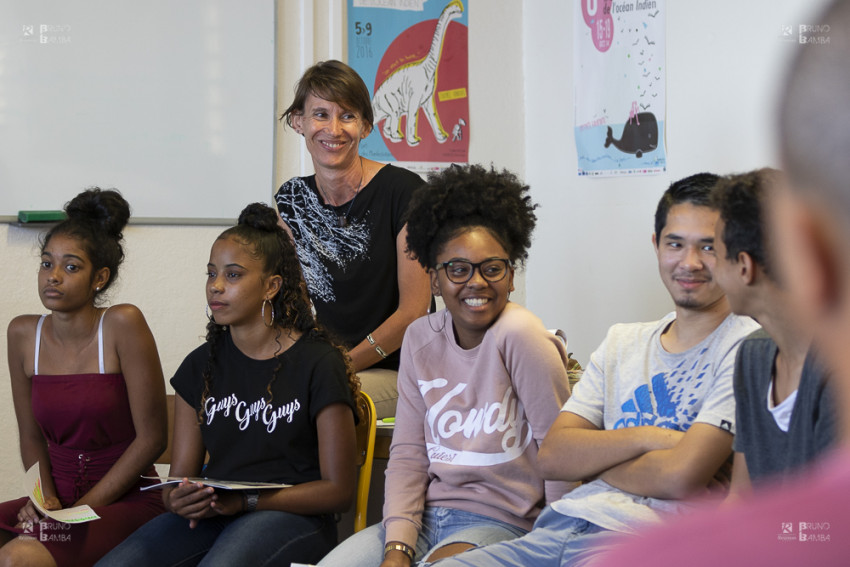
249, 439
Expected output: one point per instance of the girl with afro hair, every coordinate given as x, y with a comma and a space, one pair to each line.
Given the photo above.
480, 382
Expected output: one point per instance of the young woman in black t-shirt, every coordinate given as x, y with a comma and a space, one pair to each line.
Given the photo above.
269, 399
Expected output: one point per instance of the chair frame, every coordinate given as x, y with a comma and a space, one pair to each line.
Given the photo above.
366, 431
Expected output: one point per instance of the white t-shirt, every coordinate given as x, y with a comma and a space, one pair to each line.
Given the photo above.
630, 381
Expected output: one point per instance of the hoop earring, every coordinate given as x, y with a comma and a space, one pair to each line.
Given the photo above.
270, 324
442, 325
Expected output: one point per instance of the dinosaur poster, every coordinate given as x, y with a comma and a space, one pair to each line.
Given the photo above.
413, 56
619, 80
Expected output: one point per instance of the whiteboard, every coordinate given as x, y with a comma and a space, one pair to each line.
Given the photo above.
171, 103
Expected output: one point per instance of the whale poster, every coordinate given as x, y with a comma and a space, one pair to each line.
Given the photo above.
619, 81
413, 56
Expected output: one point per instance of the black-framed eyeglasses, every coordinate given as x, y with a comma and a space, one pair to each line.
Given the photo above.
460, 271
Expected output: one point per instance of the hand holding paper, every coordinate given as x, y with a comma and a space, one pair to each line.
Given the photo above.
75, 515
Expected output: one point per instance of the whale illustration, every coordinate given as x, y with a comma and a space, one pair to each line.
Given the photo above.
640, 134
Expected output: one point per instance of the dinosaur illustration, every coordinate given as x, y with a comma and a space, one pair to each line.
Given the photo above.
412, 87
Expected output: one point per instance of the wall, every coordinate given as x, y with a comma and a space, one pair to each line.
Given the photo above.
592, 263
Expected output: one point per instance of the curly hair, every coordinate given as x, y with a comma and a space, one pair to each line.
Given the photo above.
741, 200
462, 197
258, 229
334, 81
96, 218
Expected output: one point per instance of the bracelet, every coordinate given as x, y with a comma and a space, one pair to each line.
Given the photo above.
378, 348
398, 546
249, 500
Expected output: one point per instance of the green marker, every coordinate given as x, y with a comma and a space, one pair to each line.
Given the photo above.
41, 216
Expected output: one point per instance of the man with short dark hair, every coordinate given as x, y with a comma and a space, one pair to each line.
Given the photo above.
783, 406
650, 423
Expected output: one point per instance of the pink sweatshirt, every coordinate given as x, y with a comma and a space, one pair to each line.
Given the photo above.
469, 422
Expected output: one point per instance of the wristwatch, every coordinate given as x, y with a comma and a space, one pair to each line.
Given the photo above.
251, 498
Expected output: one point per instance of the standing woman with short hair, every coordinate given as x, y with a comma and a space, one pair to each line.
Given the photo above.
347, 222
88, 392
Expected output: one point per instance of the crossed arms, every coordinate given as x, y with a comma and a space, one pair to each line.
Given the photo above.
644, 460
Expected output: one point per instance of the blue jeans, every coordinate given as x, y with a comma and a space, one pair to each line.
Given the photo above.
556, 541
440, 527
263, 538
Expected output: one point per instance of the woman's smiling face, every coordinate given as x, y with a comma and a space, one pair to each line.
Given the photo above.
477, 303
332, 133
